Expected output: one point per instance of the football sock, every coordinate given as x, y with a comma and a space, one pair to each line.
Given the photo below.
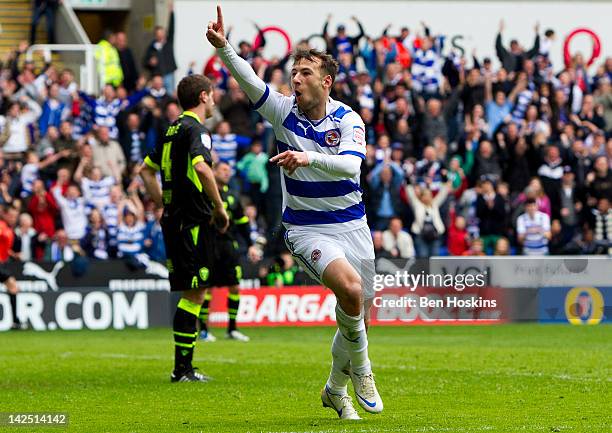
338, 377
233, 302
13, 298
355, 341
185, 333
203, 317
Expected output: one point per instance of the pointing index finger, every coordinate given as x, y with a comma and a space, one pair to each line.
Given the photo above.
279, 156
219, 16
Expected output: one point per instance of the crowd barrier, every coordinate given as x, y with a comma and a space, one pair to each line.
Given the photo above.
109, 294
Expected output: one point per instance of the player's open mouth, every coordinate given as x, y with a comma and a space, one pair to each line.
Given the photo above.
298, 94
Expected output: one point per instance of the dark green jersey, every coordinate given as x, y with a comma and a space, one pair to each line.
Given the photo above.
186, 143
238, 220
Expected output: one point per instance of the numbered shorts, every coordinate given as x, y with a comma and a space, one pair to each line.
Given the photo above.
191, 254
314, 251
226, 270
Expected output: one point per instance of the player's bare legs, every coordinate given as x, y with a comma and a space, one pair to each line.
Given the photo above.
350, 345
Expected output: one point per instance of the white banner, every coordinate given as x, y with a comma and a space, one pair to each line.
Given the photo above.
523, 271
475, 22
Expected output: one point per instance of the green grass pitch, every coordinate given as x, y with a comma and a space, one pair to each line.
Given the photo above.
506, 378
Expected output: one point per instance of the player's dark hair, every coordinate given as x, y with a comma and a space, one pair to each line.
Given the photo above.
221, 163
190, 88
329, 66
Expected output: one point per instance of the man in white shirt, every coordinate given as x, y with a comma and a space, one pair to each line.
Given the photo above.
533, 230
396, 241
74, 217
322, 144
14, 134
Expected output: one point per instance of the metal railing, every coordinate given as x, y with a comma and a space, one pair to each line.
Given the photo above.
88, 76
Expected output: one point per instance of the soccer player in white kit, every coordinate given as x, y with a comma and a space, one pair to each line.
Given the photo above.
322, 144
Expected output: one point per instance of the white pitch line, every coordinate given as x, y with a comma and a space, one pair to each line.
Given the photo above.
412, 368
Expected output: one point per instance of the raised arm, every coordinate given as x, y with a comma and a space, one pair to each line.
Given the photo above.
170, 34
271, 104
361, 34
536, 43
500, 50
488, 88
518, 88
252, 85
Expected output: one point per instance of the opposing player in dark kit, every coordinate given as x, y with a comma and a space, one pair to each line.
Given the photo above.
193, 213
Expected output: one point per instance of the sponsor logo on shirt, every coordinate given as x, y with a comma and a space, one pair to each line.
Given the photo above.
206, 141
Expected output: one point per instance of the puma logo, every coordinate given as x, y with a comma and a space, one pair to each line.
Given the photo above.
33, 270
305, 128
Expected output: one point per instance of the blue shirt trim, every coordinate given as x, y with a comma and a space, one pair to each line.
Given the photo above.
263, 99
316, 217
339, 188
352, 152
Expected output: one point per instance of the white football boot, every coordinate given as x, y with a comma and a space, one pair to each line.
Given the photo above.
366, 392
238, 336
341, 403
207, 337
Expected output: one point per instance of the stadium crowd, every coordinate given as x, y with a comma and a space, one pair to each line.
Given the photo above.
465, 155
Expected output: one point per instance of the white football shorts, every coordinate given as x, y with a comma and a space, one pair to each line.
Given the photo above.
314, 251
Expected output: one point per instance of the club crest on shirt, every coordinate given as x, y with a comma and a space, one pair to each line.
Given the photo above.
206, 141
316, 255
332, 138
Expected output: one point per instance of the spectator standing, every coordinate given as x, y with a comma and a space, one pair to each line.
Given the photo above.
53, 111
491, 213
126, 59
73, 213
601, 223
26, 245
342, 43
533, 230
133, 140
43, 209
396, 241
131, 229
96, 189
48, 9
154, 239
108, 155
159, 57
385, 181
512, 59
237, 110
14, 134
458, 241
110, 214
228, 145
95, 241
428, 226
253, 167
61, 249
109, 65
